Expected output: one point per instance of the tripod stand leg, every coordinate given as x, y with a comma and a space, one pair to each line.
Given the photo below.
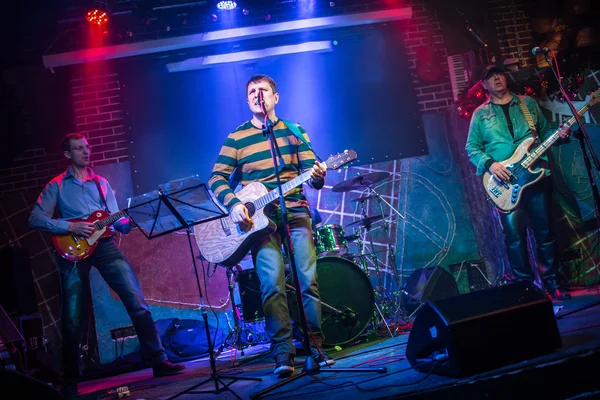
214, 376
383, 319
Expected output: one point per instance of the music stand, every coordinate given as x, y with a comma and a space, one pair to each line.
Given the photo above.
181, 204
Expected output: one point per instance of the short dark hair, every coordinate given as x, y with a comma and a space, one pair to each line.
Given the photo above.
260, 78
66, 142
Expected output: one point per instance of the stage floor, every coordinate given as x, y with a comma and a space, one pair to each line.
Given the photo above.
566, 373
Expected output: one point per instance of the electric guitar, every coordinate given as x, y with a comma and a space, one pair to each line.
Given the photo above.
506, 195
77, 248
222, 241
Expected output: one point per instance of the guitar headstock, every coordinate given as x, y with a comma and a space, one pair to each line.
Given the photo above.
339, 160
594, 97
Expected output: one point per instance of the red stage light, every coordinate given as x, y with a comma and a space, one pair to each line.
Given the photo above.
97, 17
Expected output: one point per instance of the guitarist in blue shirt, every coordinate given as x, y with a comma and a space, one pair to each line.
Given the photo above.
497, 128
75, 194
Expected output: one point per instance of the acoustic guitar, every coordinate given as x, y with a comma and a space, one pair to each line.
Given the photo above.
224, 242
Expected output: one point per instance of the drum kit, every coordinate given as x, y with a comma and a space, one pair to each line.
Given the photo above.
351, 302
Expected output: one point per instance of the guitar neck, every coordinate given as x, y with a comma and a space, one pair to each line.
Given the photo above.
109, 220
541, 149
286, 187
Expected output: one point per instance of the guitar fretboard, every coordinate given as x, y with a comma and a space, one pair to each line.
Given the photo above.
286, 187
109, 220
538, 151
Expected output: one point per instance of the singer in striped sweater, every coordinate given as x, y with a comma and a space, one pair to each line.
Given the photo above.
247, 152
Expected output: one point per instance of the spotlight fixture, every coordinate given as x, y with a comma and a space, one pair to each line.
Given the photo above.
226, 5
214, 18
245, 11
97, 17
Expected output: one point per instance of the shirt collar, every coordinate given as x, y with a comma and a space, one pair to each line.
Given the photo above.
90, 173
515, 99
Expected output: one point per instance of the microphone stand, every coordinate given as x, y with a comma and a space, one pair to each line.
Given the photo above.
311, 367
584, 142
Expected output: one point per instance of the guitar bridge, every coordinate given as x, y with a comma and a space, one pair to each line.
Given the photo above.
225, 226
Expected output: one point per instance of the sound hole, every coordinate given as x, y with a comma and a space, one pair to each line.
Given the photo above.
251, 208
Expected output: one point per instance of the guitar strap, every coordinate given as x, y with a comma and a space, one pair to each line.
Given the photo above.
529, 119
97, 182
294, 129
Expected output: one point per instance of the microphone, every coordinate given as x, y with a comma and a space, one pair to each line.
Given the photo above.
540, 50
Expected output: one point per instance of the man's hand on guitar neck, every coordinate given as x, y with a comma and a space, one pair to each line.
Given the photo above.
239, 215
500, 172
84, 229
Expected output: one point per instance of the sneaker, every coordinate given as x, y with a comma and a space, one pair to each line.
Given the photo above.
321, 356
284, 364
559, 294
557, 291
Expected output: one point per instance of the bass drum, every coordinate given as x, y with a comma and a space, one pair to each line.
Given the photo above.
347, 300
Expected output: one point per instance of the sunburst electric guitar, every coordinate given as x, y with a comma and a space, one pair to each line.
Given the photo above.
506, 195
222, 241
77, 248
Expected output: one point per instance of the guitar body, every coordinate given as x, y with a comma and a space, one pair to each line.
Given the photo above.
507, 195
77, 248
221, 241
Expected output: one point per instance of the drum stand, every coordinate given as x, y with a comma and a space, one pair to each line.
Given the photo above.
363, 261
398, 276
235, 334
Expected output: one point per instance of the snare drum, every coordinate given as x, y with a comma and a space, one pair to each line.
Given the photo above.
329, 240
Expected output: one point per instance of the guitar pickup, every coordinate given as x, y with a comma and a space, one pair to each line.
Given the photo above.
495, 191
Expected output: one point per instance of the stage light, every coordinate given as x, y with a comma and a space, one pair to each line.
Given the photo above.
245, 11
226, 5
97, 17
214, 18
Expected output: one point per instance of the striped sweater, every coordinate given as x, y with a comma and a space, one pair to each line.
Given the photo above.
249, 151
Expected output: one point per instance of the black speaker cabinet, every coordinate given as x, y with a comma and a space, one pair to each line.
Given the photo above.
483, 330
424, 284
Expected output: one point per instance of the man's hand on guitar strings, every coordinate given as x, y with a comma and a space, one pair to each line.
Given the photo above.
564, 131
239, 215
500, 172
84, 229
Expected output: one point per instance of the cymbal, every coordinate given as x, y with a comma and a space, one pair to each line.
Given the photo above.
360, 181
363, 198
366, 222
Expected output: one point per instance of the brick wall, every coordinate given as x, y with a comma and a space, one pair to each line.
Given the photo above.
514, 30
424, 30
96, 102
98, 112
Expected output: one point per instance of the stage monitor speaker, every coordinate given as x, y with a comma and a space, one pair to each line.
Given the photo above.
483, 330
17, 293
424, 284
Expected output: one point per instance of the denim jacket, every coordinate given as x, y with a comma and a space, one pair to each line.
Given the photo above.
489, 137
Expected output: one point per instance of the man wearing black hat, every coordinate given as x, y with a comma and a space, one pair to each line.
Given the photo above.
497, 128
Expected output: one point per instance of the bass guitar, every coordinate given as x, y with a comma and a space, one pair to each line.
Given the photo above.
223, 242
506, 195
77, 248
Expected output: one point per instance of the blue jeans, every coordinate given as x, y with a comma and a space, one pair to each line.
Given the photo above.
119, 275
268, 260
